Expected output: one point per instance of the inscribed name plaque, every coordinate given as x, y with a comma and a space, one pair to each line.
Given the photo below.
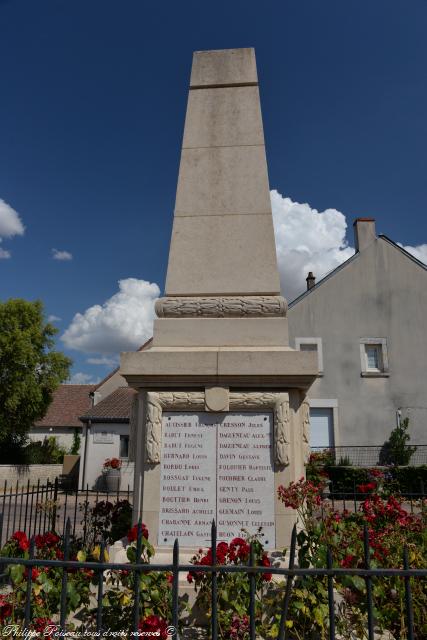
216, 465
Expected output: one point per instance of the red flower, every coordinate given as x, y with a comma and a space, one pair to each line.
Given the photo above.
153, 625
40, 624
59, 554
348, 561
112, 463
169, 578
265, 562
49, 539
239, 549
21, 538
239, 627
132, 534
34, 573
5, 608
366, 488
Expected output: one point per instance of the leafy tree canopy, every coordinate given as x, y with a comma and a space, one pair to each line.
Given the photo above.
30, 368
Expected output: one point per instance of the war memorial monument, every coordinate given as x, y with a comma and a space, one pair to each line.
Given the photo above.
221, 417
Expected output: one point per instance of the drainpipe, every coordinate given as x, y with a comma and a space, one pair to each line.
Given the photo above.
87, 434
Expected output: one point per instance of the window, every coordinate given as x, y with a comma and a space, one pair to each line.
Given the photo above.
373, 355
311, 344
124, 447
324, 427
321, 427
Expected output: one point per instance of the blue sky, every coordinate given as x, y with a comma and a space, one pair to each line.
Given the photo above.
92, 104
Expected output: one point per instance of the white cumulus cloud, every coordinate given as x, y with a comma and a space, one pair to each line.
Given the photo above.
306, 240
123, 323
61, 255
104, 361
82, 378
10, 222
53, 318
10, 225
419, 251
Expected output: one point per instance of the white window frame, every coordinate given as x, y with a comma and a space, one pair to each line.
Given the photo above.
328, 403
374, 373
318, 343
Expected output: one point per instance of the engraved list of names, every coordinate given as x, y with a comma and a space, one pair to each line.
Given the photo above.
216, 466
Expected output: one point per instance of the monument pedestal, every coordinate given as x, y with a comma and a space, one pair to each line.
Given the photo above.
221, 419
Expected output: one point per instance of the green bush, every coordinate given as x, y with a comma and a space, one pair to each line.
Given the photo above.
396, 451
75, 447
344, 480
46, 452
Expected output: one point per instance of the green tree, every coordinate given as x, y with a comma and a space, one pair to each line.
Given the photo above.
397, 451
30, 368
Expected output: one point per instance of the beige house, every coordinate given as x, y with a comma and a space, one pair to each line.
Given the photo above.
367, 322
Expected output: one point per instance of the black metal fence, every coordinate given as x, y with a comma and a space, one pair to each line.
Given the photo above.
35, 509
370, 456
39, 508
290, 573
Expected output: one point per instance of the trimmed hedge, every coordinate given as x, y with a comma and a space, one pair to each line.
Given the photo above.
345, 480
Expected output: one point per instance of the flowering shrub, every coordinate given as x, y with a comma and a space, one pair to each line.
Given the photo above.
119, 586
112, 463
389, 527
233, 588
46, 585
106, 520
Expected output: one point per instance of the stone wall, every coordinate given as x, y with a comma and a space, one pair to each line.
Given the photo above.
21, 473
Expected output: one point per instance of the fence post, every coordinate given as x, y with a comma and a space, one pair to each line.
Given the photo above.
214, 603
331, 602
137, 575
408, 596
100, 594
29, 585
175, 578
55, 498
368, 581
252, 586
283, 617
63, 610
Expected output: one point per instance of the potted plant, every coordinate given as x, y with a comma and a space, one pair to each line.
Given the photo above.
111, 472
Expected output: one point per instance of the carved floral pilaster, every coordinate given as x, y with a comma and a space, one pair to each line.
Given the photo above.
305, 408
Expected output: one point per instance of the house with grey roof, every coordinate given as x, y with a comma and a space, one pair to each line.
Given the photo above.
106, 435
367, 322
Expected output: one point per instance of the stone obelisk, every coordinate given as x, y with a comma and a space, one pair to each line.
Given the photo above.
221, 419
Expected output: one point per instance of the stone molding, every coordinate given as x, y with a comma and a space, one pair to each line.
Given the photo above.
222, 307
157, 402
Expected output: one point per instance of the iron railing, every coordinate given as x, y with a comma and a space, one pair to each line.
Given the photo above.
35, 509
292, 572
371, 455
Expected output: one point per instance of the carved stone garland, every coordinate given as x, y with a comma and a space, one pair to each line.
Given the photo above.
222, 307
157, 402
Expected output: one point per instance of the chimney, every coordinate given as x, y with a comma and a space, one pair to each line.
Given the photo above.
364, 232
310, 280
